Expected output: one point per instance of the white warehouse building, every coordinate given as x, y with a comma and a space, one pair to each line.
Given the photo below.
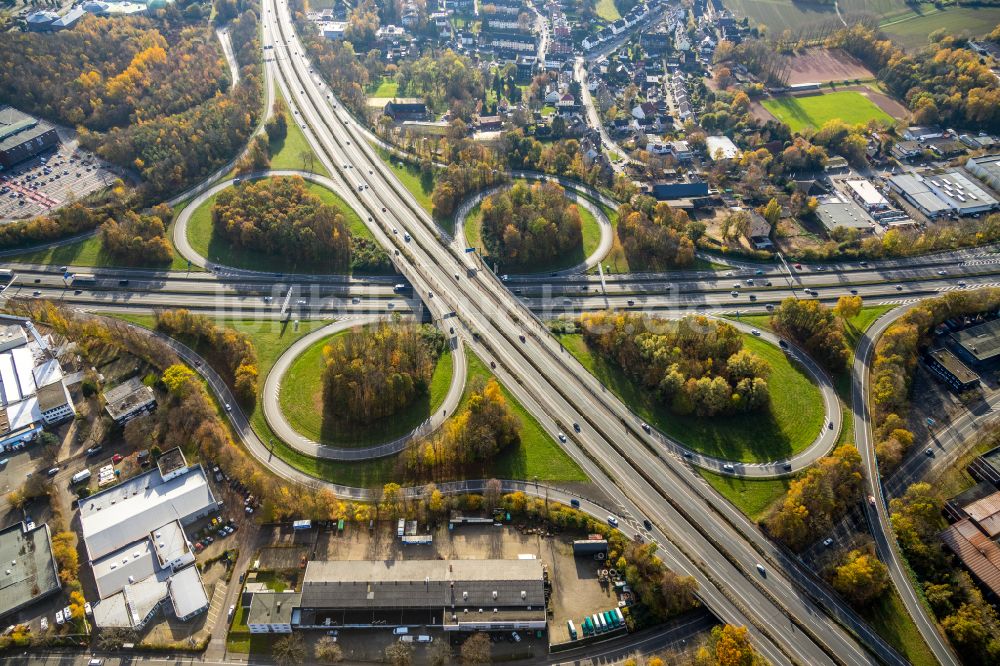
951, 192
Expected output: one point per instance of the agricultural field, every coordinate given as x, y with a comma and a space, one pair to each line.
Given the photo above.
781, 15
823, 65
800, 113
911, 30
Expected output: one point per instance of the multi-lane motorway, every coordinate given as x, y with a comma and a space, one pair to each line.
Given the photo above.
787, 622
743, 577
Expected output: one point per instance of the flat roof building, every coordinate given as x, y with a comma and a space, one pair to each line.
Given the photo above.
721, 148
129, 400
951, 370
834, 212
271, 612
30, 570
867, 195
458, 595
951, 192
986, 168
23, 136
134, 538
979, 345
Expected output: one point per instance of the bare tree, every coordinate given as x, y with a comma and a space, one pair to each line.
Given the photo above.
476, 649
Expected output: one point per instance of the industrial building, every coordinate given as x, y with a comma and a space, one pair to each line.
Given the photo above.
456, 595
867, 195
134, 538
271, 612
23, 136
31, 573
33, 392
721, 148
972, 541
978, 346
129, 400
834, 211
986, 168
949, 193
951, 370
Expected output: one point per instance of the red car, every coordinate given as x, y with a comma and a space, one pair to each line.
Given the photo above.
117, 458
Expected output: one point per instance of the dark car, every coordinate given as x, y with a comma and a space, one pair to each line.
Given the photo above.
645, 523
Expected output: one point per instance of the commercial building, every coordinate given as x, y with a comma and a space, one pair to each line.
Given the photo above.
400, 110
833, 212
986, 168
721, 148
33, 392
134, 538
271, 612
979, 346
972, 541
948, 193
129, 400
30, 570
867, 195
951, 370
457, 595
23, 136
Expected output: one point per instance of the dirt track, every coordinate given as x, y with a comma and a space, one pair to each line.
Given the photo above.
822, 65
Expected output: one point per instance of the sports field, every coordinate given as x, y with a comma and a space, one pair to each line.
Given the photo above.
800, 113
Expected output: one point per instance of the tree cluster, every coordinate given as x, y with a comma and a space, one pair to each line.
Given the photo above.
970, 622
474, 167
138, 239
561, 157
861, 578
695, 365
281, 216
232, 353
813, 326
895, 361
817, 498
67, 221
529, 225
944, 83
729, 645
474, 436
654, 235
341, 66
447, 81
374, 372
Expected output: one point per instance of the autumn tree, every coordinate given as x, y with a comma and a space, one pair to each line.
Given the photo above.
729, 645
653, 235
392, 502
813, 326
374, 372
137, 239
817, 497
848, 307
694, 365
861, 578
399, 654
529, 225
328, 651
289, 650
64, 551
477, 649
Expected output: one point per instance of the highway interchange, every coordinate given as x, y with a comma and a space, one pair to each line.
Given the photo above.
792, 615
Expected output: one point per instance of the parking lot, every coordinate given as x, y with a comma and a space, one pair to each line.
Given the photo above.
52, 179
576, 589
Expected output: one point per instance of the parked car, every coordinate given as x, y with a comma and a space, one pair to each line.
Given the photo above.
60, 620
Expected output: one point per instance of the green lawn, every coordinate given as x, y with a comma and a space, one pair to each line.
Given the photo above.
420, 185
591, 239
386, 88
795, 417
294, 151
87, 252
538, 454
606, 10
754, 497
201, 235
815, 110
301, 400
889, 617
911, 30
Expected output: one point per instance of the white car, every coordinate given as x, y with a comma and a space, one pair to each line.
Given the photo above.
612, 521
60, 620
44, 624
754, 331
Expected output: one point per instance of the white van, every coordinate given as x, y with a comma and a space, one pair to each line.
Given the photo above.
406, 639
400, 631
424, 638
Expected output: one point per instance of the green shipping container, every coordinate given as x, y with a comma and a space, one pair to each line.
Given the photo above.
340, 525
